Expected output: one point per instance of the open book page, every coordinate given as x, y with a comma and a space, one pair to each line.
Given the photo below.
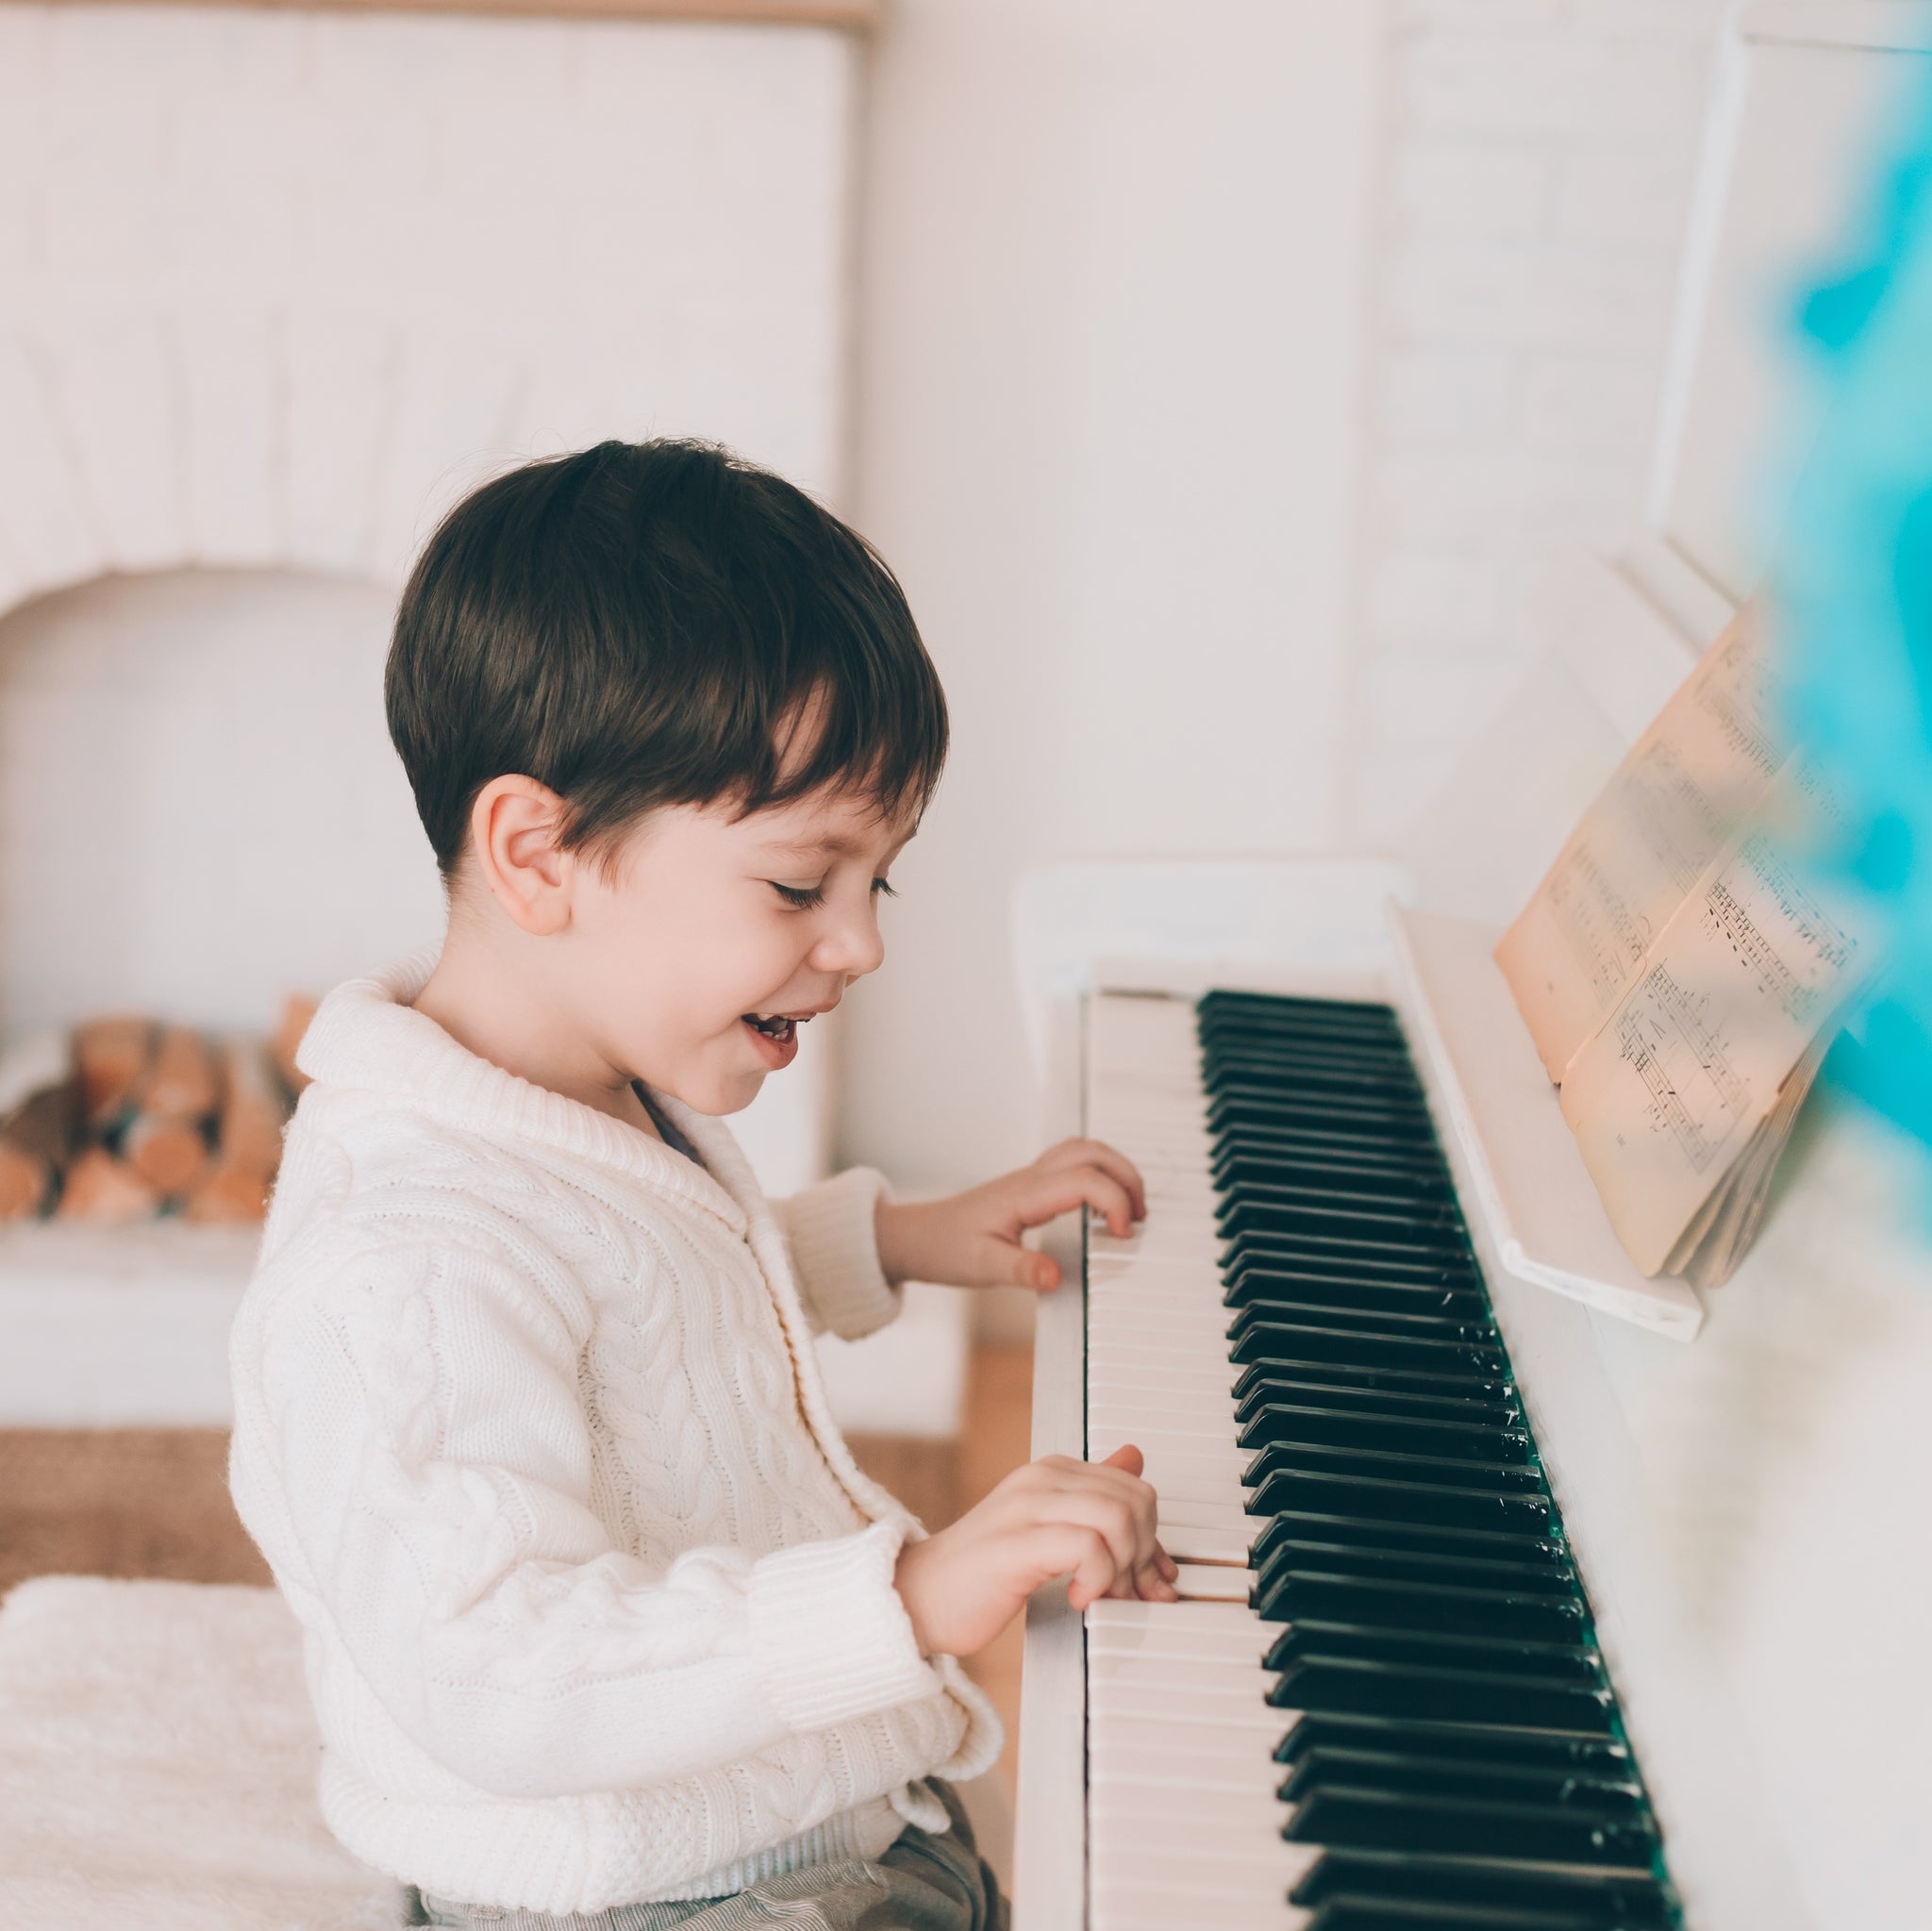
1710, 1250
1671, 1090
1688, 783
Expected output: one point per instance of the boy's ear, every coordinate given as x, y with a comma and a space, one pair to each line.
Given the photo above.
513, 827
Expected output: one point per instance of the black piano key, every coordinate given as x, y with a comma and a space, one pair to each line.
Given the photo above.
1351, 1913
1586, 1753
1442, 1695
1338, 1597
1369, 1818
1393, 1324
1336, 1387
1373, 1017
1279, 1342
1339, 1561
1362, 1268
1326, 1491
1424, 1228
1353, 1080
1279, 1145
1300, 1045
1440, 1471
1392, 1769
1288, 1294
1606, 1899
1419, 1539
1341, 1428
1245, 1175
1554, 1663
1350, 1209
1287, 1066
1397, 1259
1244, 1107
1454, 1734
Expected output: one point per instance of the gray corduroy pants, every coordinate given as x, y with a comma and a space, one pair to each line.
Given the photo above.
923, 1883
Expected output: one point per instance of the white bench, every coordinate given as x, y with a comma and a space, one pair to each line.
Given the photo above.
157, 1767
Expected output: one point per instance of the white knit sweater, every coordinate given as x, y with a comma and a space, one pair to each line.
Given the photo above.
529, 1424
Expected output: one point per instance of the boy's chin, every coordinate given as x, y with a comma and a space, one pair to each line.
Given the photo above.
731, 1094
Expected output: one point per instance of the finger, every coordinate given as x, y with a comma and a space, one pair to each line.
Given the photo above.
1093, 1568
1051, 1194
1010, 1262
1126, 1457
1110, 1516
1072, 1185
1110, 1160
1170, 1569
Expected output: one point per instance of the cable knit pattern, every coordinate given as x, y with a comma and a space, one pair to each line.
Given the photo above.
529, 1426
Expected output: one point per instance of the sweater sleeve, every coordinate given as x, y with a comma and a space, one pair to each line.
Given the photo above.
435, 1473
833, 1236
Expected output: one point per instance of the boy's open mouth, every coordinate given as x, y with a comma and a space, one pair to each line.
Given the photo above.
775, 1026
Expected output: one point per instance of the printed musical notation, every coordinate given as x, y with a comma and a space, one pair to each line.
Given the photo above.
1676, 969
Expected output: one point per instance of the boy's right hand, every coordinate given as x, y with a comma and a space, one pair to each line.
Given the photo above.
1093, 1521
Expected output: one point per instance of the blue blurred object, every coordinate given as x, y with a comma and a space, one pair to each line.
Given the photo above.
1853, 594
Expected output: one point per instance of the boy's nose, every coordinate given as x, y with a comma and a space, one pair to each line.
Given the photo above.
854, 949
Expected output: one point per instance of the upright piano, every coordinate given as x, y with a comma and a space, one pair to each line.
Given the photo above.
1509, 1606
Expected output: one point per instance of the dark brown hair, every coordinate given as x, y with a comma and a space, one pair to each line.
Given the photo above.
640, 624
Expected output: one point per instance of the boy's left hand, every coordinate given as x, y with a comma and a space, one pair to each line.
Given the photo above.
971, 1240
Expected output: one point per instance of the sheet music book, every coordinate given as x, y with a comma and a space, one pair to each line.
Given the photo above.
1680, 978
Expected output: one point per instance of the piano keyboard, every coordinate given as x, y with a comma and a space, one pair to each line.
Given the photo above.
1395, 1716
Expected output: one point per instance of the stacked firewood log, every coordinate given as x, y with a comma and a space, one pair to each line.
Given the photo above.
124, 1119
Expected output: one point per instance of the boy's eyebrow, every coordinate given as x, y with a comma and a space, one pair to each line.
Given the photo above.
811, 847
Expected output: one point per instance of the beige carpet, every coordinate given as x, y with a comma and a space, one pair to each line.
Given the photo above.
153, 1501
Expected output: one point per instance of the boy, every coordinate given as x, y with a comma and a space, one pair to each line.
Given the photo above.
603, 1625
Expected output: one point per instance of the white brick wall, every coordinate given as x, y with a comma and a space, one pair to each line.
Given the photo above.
1538, 180
276, 286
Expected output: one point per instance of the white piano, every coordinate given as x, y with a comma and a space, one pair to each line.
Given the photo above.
1521, 1595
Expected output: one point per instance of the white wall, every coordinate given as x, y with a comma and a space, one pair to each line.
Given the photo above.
1538, 175
1111, 325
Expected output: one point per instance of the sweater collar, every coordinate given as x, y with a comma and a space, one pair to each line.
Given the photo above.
367, 1036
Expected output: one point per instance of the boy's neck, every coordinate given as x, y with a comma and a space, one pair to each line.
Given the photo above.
487, 1007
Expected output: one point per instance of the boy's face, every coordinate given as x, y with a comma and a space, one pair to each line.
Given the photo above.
707, 924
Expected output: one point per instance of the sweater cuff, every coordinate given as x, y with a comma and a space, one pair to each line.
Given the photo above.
835, 1251
830, 1635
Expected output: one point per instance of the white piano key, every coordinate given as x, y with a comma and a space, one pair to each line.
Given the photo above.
1182, 1511
1175, 1236
1204, 1820
1189, 1370
1166, 1908
1142, 1383
1185, 1411
1204, 1582
1156, 1272
1200, 1544
1246, 1776
1184, 1457
1111, 1613
1177, 1425
1145, 1741
1270, 1860
1202, 1646
1209, 1676
1173, 1706
1184, 1498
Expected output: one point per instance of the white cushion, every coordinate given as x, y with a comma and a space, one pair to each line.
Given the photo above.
157, 1767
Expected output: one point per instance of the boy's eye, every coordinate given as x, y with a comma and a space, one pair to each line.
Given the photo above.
880, 884
803, 897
